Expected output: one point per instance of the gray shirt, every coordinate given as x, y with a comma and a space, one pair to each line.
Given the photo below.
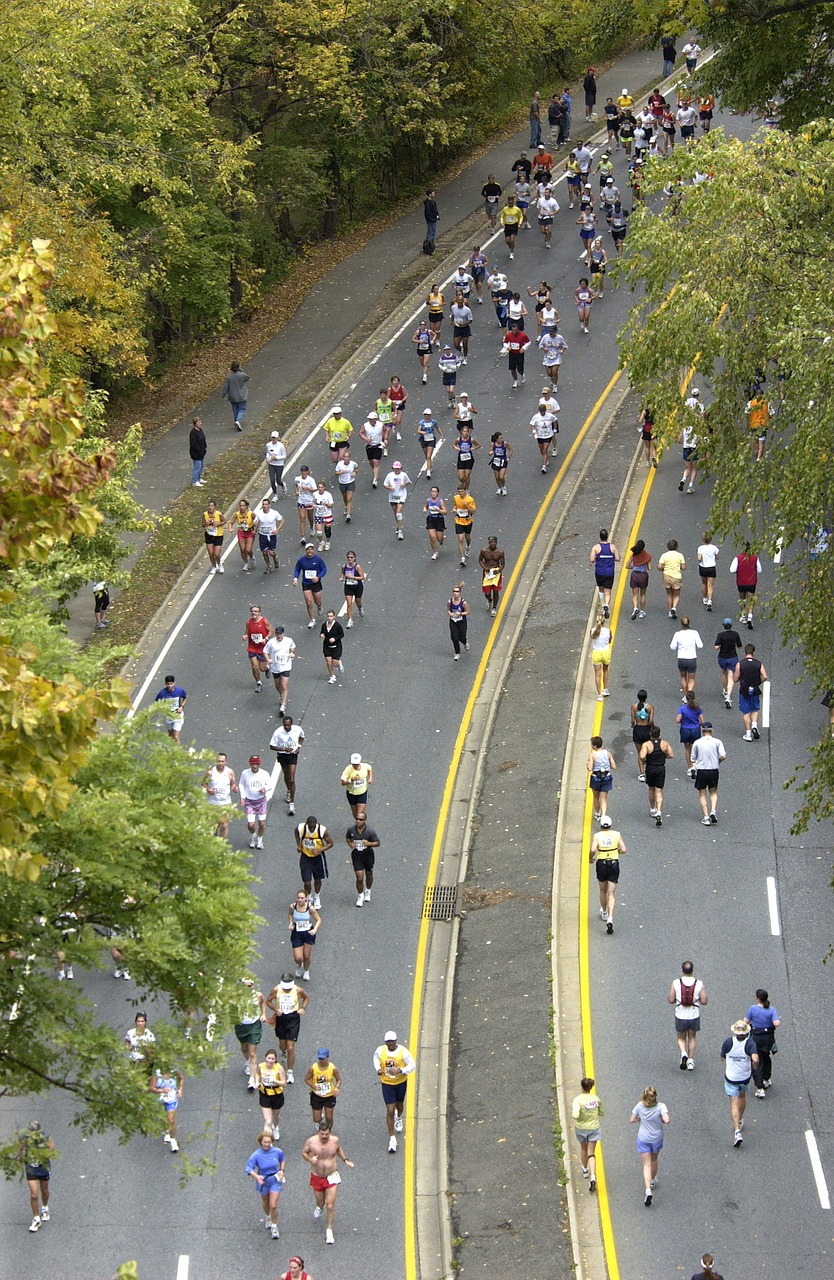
651, 1121
707, 752
234, 388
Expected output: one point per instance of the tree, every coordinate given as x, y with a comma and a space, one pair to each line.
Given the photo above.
734, 274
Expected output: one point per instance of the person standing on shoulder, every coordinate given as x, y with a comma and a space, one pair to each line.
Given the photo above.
35, 1148
746, 566
741, 1059
670, 54
393, 1064
431, 215
586, 1110
101, 603
607, 847
535, 120
197, 450
604, 556
236, 391
763, 1020
276, 457
749, 675
174, 697
362, 841
707, 755
687, 993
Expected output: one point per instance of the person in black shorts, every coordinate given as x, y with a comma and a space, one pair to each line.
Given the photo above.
288, 1002
653, 756
606, 848
35, 1146
727, 645
362, 841
101, 602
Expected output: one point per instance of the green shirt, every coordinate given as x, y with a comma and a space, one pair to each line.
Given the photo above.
587, 1111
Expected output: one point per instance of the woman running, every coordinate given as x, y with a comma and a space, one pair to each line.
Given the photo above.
398, 395
353, 577
436, 303
428, 433
213, 535
304, 922
651, 1116
638, 564
653, 756
266, 1166
478, 263
646, 424
601, 655
690, 717
424, 341
587, 223
466, 444
763, 1020
584, 296
499, 456
384, 406
435, 511
599, 261
600, 765
541, 292
458, 611
332, 634
244, 521
642, 719
270, 1078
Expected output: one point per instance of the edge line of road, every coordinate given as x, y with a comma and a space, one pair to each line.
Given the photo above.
410, 1190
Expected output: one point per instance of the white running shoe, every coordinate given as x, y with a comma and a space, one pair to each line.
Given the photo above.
276, 1235
167, 1139
44, 1214
306, 975
290, 1077
367, 895
392, 1143
398, 1122
175, 1146
260, 843
36, 1222
252, 840
349, 623
360, 899
317, 1211
329, 1237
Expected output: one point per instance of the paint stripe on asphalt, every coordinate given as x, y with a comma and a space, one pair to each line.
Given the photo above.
816, 1169
773, 907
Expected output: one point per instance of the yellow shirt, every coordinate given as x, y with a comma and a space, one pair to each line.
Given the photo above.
511, 215
323, 1083
356, 776
244, 520
214, 524
608, 844
337, 429
670, 564
625, 102
464, 508
392, 1066
268, 1081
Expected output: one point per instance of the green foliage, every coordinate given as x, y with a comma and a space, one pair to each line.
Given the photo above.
746, 260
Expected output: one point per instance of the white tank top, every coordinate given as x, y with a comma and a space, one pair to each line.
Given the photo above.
221, 781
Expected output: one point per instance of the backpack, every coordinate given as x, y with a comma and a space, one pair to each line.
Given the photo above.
428, 247
687, 991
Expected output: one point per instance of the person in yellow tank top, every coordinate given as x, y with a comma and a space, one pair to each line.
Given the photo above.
325, 1083
244, 521
607, 847
271, 1078
393, 1064
213, 528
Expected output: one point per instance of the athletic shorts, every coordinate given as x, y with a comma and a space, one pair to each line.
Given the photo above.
601, 656
690, 454
267, 541
249, 1032
606, 583
653, 1147
362, 798
374, 451
436, 522
312, 868
687, 1024
734, 1088
749, 702
608, 869
347, 488
706, 573
656, 778
363, 859
214, 539
688, 665
317, 1103
311, 584
243, 535
303, 939
355, 588
394, 1092
287, 1026
461, 331
602, 784
276, 1102
706, 778
588, 1135
463, 528
727, 664
255, 808
286, 757
318, 1183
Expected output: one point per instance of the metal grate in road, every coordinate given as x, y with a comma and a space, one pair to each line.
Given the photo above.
440, 901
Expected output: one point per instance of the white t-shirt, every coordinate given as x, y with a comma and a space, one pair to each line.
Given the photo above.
708, 555
276, 452
287, 739
397, 483
687, 1012
305, 487
323, 505
686, 116
687, 642
255, 784
547, 206
267, 520
346, 470
542, 424
279, 653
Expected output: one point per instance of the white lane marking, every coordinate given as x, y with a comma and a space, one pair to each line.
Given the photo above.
182, 1267
816, 1167
777, 559
766, 705
773, 907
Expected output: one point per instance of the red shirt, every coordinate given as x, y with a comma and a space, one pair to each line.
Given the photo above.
257, 630
515, 340
397, 394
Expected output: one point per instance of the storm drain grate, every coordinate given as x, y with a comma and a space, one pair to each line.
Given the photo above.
440, 901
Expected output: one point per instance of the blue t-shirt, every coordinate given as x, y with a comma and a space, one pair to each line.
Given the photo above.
308, 568
690, 716
761, 1019
177, 696
267, 1163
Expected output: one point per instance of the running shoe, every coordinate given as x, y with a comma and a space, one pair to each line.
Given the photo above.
276, 1235
329, 1237
690, 1064
367, 895
317, 1211
392, 1144
36, 1222
360, 899
737, 1138
44, 1214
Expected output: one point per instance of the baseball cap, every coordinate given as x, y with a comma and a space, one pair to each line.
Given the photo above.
389, 1035
277, 629
254, 759
323, 1053
397, 466
693, 391
373, 414
464, 395
425, 411
274, 435
728, 622
707, 724
605, 821
309, 546
356, 758
337, 408
305, 467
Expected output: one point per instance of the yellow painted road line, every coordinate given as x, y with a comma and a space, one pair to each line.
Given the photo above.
448, 791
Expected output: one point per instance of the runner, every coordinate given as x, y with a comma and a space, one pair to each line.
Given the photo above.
638, 565
587, 223
749, 675
324, 1081
687, 993
139, 1039
304, 486
690, 717
286, 743
542, 293
646, 425
491, 192
310, 568
269, 524
552, 345
174, 698
458, 612
600, 765
707, 559
685, 644
353, 577
34, 1150
219, 783
544, 427
255, 791
296, 1270
707, 756
168, 1085
424, 340
322, 1152
256, 633
436, 304
466, 444
384, 406
304, 923
397, 482
651, 1116
523, 196
213, 536
245, 520
271, 1079
449, 363
371, 433
584, 297
653, 756
363, 842
288, 1002
356, 778
312, 840
338, 431
500, 453
332, 634
462, 281
706, 104
642, 719
763, 1020
547, 206
276, 457
746, 566
599, 262
266, 1166
671, 566
727, 645
586, 1110
393, 1064
279, 652
491, 561
607, 847
604, 557
601, 656
428, 433
618, 224
461, 316
511, 218
478, 262
323, 514
346, 470
612, 124
464, 508
759, 413
516, 343
574, 178
435, 512
398, 396
741, 1059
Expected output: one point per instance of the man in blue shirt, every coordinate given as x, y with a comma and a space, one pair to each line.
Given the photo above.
310, 569
175, 698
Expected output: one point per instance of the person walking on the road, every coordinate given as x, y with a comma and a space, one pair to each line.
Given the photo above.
255, 791
269, 524
363, 842
174, 698
236, 391
397, 482
727, 645
653, 756
431, 215
279, 652
266, 1166
276, 457
393, 1064
749, 675
707, 560
491, 561
35, 1147
690, 717
332, 634
741, 1059
651, 1115
687, 993
587, 1111
286, 743
685, 644
604, 557
213, 523
324, 1081
671, 566
322, 1152
707, 754
310, 569
219, 783
255, 635
356, 778
763, 1020
458, 611
288, 1002
304, 487
271, 1079
304, 923
197, 450
168, 1085
746, 566
607, 847
601, 655
600, 766
435, 512
312, 840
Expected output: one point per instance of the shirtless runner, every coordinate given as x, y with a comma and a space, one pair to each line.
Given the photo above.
491, 560
322, 1151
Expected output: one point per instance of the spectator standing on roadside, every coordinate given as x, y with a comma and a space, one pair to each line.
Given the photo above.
556, 120
687, 993
670, 54
101, 603
589, 86
276, 457
236, 391
197, 450
535, 120
707, 754
431, 215
587, 1111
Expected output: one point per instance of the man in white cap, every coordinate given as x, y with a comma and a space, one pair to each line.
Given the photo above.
276, 457
393, 1064
397, 482
373, 432
338, 431
738, 1053
607, 847
356, 778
